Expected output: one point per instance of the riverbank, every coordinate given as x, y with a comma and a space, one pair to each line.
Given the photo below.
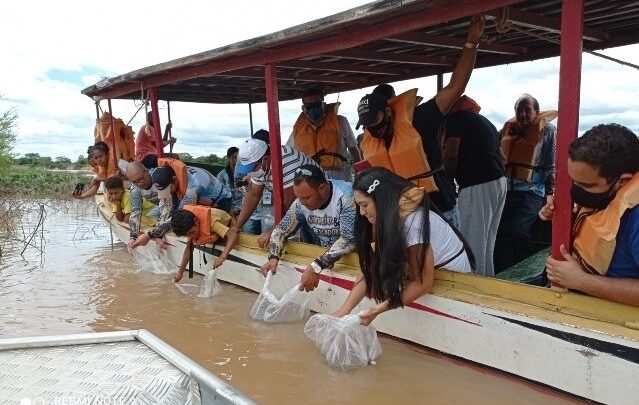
39, 182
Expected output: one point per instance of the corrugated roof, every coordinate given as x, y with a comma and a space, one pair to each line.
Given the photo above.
380, 42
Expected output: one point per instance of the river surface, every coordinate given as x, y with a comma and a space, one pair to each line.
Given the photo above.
79, 283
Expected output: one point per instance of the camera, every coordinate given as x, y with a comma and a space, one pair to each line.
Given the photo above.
78, 188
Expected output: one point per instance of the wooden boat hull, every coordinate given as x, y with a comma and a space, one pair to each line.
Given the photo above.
580, 345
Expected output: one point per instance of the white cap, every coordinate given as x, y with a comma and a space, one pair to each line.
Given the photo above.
250, 152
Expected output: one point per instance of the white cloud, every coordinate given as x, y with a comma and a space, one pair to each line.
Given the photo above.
81, 42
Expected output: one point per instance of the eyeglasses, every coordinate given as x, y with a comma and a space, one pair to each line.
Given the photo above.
138, 180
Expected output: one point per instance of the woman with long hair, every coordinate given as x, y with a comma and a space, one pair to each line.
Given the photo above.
401, 239
98, 160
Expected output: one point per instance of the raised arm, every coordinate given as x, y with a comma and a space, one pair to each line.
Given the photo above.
447, 96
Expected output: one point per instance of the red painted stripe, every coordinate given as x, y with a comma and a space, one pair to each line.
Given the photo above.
348, 285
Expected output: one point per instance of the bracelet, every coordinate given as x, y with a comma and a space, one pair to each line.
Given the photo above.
471, 45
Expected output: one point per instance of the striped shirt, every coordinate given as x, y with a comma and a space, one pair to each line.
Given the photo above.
292, 159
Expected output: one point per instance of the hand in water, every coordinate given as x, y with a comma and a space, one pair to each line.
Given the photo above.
142, 240
271, 266
263, 239
178, 276
161, 243
129, 246
309, 280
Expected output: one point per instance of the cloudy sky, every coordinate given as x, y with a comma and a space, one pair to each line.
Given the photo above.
52, 50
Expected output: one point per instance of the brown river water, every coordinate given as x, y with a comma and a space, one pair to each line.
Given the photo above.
80, 284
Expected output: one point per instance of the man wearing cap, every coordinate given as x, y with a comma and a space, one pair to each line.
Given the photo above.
254, 164
199, 187
386, 131
325, 136
328, 208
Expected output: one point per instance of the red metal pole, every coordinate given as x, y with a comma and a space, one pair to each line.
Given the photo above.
572, 19
159, 146
440, 81
113, 144
170, 133
272, 99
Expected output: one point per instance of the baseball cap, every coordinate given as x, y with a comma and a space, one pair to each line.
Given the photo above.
162, 178
250, 152
368, 108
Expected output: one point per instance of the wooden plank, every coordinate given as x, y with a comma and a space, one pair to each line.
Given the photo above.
416, 59
440, 41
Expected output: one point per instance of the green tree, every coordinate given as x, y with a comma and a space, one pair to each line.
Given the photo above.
186, 157
81, 163
8, 123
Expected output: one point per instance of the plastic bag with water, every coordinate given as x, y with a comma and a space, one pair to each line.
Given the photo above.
344, 342
292, 307
151, 258
210, 285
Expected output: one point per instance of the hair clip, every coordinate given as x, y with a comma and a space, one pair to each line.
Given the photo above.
373, 186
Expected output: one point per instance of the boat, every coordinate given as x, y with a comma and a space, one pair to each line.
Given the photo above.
580, 345
106, 368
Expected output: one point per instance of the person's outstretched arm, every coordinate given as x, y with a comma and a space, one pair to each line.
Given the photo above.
447, 96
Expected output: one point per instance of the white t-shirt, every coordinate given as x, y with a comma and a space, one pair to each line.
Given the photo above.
346, 140
443, 240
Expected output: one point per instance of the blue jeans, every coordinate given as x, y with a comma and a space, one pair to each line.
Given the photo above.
253, 226
515, 230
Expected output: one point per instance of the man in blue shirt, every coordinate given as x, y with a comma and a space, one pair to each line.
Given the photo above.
604, 168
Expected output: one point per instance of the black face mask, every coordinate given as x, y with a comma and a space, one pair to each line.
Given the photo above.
591, 200
314, 111
380, 130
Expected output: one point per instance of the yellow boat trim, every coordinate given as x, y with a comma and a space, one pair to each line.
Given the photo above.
563, 307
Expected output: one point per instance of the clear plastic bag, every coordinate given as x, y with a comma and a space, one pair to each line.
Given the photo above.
210, 285
344, 342
292, 307
152, 258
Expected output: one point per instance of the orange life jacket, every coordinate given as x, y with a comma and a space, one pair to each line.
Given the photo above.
595, 232
520, 151
465, 103
124, 142
323, 139
203, 215
180, 172
406, 156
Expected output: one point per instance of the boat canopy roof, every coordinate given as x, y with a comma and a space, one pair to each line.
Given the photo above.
380, 42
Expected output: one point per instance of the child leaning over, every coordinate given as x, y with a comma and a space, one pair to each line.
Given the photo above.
120, 199
201, 225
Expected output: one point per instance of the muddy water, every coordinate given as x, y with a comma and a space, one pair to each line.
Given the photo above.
80, 284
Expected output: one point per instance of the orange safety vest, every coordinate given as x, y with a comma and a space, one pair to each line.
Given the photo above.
180, 172
203, 215
406, 156
314, 142
124, 141
595, 232
520, 151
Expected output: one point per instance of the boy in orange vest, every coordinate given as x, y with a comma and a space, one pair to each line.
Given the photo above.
186, 223
604, 262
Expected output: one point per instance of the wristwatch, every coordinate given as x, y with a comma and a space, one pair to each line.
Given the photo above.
271, 257
471, 45
317, 269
